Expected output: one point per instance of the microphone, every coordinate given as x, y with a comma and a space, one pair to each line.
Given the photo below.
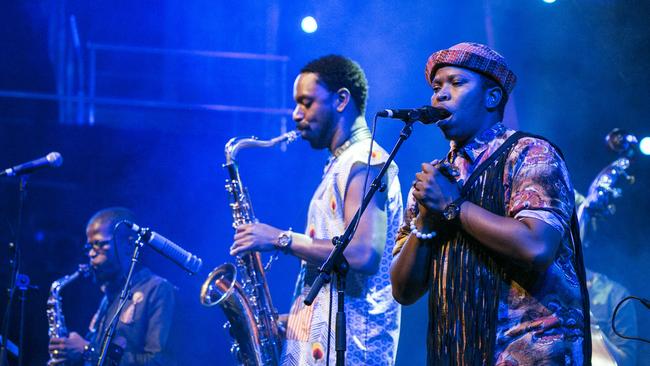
425, 114
53, 159
169, 249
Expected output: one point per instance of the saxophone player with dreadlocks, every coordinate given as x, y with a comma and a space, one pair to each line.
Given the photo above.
142, 332
330, 95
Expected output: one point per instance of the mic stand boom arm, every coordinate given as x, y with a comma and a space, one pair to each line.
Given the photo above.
336, 261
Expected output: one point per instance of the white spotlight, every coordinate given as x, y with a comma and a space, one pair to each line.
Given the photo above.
309, 24
644, 145
549, 1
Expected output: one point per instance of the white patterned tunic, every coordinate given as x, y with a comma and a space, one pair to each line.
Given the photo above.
373, 317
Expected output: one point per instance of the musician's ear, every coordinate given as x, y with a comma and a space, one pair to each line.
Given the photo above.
343, 98
493, 97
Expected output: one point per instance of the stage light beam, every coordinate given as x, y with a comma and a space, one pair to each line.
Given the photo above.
309, 24
644, 146
549, 1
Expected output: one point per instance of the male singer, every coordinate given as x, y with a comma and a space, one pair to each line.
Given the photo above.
488, 230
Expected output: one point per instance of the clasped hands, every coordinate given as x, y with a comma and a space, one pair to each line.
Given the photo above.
434, 188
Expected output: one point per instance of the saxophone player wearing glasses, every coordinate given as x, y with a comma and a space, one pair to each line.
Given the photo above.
330, 95
143, 327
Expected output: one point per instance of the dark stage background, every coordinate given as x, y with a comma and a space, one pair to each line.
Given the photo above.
153, 141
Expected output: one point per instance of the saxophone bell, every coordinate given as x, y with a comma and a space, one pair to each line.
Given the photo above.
219, 285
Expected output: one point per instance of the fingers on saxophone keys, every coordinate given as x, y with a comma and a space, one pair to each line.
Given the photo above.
239, 235
59, 354
234, 249
240, 247
242, 227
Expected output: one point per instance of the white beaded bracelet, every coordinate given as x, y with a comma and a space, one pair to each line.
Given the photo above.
421, 235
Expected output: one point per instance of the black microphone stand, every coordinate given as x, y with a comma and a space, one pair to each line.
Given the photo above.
124, 297
336, 261
22, 283
14, 264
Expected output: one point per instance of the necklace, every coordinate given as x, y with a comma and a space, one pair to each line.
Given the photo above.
357, 135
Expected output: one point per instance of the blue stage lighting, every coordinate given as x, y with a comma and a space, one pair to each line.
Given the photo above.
549, 1
309, 24
644, 145
39, 236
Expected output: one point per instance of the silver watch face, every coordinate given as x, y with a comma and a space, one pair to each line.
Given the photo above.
284, 239
450, 212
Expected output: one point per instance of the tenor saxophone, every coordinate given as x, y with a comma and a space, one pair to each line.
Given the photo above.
55, 318
241, 290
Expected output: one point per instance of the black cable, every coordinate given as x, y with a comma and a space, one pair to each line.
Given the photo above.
645, 302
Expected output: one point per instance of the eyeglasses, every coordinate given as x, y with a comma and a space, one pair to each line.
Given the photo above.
97, 245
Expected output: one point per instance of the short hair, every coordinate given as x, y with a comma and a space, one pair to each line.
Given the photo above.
336, 72
112, 215
488, 83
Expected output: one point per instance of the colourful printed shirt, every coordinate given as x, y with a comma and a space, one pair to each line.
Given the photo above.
539, 321
373, 316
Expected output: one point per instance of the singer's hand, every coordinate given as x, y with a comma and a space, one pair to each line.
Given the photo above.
258, 237
69, 348
434, 188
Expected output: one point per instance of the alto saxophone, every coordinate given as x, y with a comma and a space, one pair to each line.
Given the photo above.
55, 318
242, 291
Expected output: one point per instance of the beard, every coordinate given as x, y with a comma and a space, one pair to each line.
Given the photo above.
105, 273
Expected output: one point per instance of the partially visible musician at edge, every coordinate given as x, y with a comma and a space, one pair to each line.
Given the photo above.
330, 95
144, 323
604, 294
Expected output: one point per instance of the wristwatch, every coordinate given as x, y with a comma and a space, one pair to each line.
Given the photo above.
451, 213
284, 240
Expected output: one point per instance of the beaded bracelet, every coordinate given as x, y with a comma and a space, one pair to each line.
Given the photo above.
419, 234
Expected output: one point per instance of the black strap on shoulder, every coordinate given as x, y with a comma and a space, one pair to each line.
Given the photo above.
575, 233
510, 141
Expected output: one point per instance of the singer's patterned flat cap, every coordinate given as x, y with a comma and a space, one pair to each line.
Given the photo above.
475, 57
